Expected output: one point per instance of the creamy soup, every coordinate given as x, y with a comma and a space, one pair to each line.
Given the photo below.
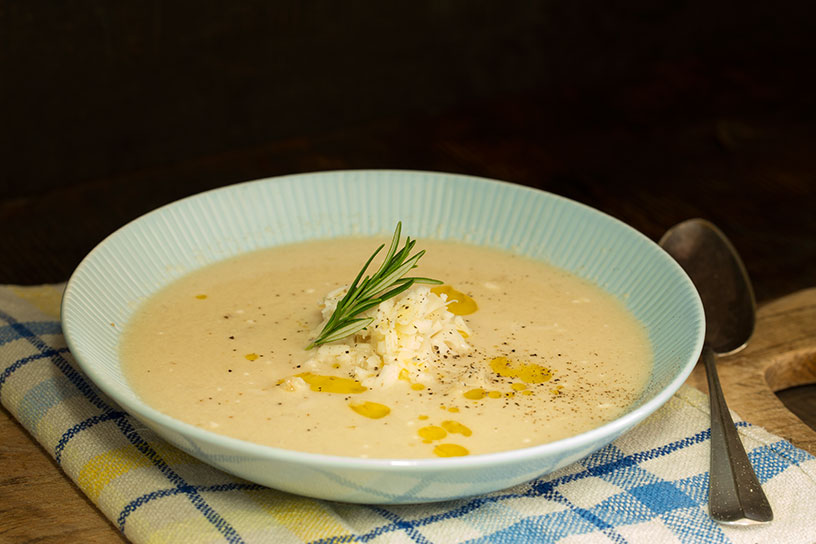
508, 353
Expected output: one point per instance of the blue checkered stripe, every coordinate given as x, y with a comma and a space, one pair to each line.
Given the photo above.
679, 506
69, 382
602, 497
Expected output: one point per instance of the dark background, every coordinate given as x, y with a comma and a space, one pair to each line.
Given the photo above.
651, 111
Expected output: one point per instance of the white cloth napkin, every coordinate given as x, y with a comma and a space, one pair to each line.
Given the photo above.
649, 486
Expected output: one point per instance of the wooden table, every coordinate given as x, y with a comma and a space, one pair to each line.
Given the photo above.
782, 353
653, 116
764, 207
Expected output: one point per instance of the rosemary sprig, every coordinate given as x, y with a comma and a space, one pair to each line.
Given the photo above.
387, 282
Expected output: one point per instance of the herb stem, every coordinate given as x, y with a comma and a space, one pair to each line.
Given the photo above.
363, 295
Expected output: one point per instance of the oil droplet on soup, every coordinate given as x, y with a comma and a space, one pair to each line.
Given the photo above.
526, 372
454, 427
461, 305
331, 384
475, 394
450, 450
372, 410
430, 433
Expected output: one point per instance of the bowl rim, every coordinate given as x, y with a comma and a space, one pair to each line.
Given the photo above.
149, 415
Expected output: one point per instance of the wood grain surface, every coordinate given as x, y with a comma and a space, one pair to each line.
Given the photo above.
781, 354
39, 504
648, 112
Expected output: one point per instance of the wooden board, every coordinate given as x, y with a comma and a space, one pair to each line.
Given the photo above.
38, 503
781, 354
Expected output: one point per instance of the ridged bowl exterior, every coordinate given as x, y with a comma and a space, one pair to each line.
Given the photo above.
161, 246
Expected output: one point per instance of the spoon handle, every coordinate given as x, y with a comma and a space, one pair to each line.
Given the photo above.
735, 495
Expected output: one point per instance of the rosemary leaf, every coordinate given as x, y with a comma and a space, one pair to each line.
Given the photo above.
385, 283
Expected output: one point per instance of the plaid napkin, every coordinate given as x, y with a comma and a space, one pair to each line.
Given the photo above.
649, 486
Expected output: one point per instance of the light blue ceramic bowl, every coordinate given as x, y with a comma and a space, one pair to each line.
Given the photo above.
163, 245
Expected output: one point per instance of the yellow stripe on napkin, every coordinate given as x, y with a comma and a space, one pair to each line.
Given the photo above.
308, 519
45, 298
102, 469
189, 530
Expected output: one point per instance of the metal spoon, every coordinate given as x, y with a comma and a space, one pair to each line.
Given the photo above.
735, 495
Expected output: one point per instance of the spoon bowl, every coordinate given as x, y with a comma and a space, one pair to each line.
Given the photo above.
715, 268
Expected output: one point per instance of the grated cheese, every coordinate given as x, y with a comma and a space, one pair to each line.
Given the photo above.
410, 332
